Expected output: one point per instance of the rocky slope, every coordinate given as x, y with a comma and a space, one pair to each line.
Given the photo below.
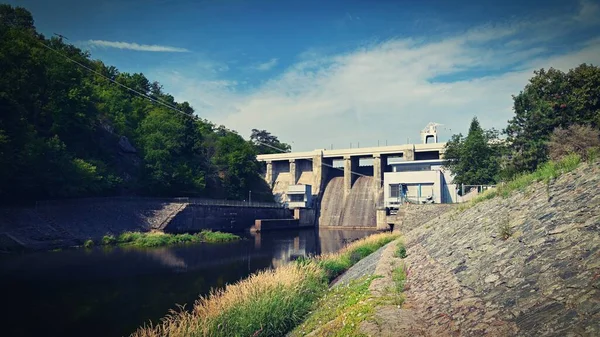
526, 265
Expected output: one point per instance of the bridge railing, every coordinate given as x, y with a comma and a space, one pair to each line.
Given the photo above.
190, 200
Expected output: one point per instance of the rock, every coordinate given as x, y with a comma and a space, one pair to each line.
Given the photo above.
491, 278
126, 146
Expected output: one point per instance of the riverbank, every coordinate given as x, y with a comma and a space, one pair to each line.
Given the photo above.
70, 223
268, 303
160, 239
348, 308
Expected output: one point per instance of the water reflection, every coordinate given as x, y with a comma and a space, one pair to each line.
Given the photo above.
111, 291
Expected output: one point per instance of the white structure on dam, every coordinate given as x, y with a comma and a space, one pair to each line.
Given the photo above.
410, 170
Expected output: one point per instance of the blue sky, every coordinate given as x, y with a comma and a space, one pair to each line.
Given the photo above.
330, 73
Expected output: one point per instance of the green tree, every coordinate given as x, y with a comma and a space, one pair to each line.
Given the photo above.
550, 100
266, 143
68, 132
475, 159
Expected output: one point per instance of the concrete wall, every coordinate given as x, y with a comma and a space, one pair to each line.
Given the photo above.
195, 218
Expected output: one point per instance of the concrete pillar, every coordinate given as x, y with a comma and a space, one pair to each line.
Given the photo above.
382, 219
293, 172
378, 169
350, 165
409, 155
318, 173
269, 176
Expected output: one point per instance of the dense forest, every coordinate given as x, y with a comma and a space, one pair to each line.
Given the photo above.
67, 131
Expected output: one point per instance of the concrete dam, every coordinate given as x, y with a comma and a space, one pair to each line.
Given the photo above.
356, 187
359, 209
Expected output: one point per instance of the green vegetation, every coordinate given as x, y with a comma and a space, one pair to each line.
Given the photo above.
475, 159
551, 100
68, 132
399, 278
340, 311
555, 115
336, 264
401, 250
89, 243
159, 239
268, 303
545, 173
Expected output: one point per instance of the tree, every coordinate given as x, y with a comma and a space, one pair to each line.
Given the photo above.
266, 143
68, 132
474, 160
552, 99
582, 140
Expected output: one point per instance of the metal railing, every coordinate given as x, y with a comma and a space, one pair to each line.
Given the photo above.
190, 200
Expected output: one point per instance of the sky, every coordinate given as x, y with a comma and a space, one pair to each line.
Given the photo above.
334, 74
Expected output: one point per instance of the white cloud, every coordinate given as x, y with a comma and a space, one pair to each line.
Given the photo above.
391, 90
266, 65
589, 11
135, 46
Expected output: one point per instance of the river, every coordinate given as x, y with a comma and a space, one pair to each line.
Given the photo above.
111, 291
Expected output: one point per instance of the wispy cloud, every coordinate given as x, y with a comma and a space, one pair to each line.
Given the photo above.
135, 46
390, 90
266, 65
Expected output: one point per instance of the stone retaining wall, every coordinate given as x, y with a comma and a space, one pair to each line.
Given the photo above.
544, 280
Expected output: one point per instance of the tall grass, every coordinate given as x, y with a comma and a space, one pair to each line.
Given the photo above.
336, 263
158, 239
545, 173
340, 312
268, 303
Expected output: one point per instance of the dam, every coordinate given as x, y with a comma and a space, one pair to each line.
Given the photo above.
358, 187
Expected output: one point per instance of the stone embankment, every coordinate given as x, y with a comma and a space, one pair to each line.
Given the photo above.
526, 265
67, 223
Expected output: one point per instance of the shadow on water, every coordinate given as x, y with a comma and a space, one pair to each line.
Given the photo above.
112, 291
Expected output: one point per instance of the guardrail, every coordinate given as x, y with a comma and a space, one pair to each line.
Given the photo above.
190, 200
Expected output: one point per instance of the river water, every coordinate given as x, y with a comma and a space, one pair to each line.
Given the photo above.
111, 291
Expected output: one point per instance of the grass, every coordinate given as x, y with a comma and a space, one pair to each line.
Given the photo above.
399, 278
159, 239
545, 173
267, 303
336, 263
340, 311
401, 250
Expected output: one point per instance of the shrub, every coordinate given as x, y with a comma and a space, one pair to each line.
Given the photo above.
109, 239
88, 243
401, 251
576, 139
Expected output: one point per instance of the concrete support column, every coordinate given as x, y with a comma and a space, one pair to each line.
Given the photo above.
269, 176
409, 155
318, 173
378, 169
293, 172
350, 165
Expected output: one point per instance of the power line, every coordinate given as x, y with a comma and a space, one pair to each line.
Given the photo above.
166, 104
159, 101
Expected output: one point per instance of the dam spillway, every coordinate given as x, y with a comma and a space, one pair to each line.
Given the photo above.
357, 209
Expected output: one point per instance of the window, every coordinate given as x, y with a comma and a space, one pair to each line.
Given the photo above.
394, 190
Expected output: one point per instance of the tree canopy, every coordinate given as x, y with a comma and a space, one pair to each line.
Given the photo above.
475, 159
552, 99
67, 132
266, 143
